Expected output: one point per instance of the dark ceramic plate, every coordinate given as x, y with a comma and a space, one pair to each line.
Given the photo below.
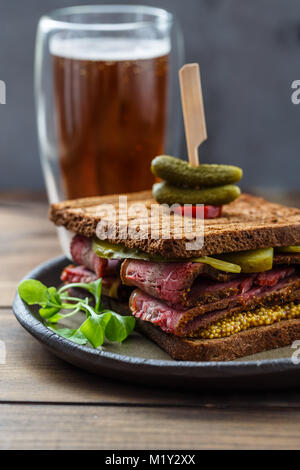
141, 361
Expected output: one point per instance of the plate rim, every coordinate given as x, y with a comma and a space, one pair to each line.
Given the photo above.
31, 324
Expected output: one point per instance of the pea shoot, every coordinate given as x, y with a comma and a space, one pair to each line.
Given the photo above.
57, 304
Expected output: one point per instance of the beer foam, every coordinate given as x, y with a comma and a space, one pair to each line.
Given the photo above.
108, 49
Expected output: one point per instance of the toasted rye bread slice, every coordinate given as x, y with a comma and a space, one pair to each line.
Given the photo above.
246, 224
245, 343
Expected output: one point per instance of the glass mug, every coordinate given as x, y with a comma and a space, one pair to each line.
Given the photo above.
107, 97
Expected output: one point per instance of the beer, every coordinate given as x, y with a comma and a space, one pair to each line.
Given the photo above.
110, 112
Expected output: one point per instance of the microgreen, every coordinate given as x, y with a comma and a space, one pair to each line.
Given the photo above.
94, 328
74, 335
119, 327
57, 304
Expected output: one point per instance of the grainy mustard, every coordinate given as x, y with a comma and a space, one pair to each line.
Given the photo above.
243, 321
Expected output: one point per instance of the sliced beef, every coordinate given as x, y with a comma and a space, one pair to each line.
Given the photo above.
188, 322
205, 292
175, 282
271, 278
180, 285
111, 285
83, 254
91, 267
166, 281
147, 308
183, 284
77, 274
73, 273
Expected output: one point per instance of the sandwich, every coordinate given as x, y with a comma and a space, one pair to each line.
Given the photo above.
236, 295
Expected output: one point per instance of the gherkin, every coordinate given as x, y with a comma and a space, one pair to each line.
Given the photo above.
289, 249
180, 173
165, 193
252, 261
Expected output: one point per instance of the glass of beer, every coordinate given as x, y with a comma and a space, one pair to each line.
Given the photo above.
107, 97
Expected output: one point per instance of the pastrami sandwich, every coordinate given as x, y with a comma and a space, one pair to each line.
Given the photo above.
236, 295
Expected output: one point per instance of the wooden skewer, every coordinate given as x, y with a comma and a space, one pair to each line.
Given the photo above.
193, 110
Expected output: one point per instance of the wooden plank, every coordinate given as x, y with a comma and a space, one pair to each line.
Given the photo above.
92, 427
32, 374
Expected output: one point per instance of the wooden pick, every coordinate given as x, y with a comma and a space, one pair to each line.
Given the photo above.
193, 110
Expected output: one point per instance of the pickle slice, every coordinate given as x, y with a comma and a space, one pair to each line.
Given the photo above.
219, 264
167, 194
252, 261
288, 249
106, 249
246, 261
181, 173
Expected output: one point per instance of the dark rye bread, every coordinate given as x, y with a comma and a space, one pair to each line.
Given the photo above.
245, 343
247, 223
287, 258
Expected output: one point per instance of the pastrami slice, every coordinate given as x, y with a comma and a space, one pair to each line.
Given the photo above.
184, 285
82, 253
73, 273
187, 322
147, 308
166, 281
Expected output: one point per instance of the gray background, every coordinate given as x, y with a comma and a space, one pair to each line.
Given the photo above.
249, 52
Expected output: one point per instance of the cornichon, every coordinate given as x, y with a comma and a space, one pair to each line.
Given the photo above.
289, 249
106, 249
181, 173
219, 264
164, 193
245, 261
252, 261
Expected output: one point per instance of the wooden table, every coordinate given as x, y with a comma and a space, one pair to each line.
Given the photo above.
48, 404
